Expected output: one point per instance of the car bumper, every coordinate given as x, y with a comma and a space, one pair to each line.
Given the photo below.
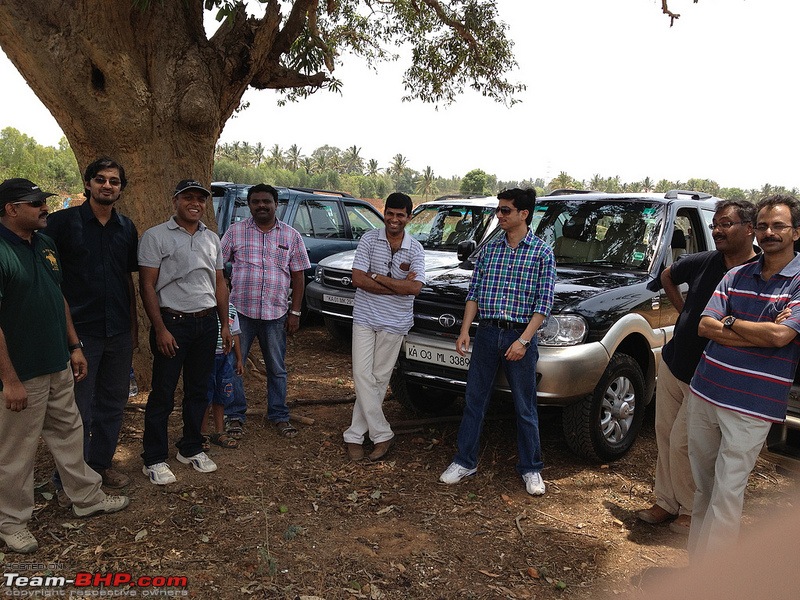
562, 374
330, 302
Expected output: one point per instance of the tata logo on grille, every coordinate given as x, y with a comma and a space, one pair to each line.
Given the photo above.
447, 321
346, 281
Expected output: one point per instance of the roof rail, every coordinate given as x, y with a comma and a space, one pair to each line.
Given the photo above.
458, 197
673, 195
565, 191
315, 191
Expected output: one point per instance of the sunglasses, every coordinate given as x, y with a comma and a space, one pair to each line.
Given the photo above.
34, 203
100, 180
504, 210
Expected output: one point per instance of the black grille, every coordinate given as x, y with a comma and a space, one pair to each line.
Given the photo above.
336, 278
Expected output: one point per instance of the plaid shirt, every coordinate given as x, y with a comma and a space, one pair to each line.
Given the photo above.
262, 267
511, 284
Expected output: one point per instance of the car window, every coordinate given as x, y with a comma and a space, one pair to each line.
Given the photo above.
319, 219
362, 219
622, 234
443, 226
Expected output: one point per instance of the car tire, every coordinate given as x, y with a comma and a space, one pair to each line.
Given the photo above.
342, 332
419, 399
603, 425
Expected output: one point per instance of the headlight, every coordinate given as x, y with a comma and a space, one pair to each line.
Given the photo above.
318, 274
562, 330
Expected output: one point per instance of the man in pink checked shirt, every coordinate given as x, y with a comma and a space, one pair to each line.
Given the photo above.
269, 258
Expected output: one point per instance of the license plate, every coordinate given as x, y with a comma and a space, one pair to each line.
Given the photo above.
436, 356
338, 300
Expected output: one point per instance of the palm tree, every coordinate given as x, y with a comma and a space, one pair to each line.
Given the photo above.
647, 185
398, 166
372, 167
292, 157
352, 161
597, 183
308, 164
275, 156
561, 181
257, 154
426, 186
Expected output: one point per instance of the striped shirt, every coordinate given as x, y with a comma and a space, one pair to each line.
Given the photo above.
511, 284
392, 313
752, 381
233, 323
263, 264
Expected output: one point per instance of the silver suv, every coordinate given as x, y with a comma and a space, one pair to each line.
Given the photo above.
440, 226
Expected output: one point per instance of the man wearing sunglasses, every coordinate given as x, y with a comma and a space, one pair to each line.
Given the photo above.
732, 230
742, 382
40, 354
511, 294
97, 246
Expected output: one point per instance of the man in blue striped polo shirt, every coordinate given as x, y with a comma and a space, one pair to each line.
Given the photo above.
742, 383
388, 271
511, 293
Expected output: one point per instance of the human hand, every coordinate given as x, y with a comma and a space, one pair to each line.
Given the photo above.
15, 395
80, 368
462, 344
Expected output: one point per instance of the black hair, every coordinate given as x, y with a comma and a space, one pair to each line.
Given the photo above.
745, 210
522, 200
263, 187
777, 199
399, 200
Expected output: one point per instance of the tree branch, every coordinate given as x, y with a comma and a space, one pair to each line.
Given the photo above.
279, 77
301, 9
456, 25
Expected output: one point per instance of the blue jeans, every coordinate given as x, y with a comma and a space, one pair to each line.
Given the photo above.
101, 397
197, 342
489, 347
220, 383
272, 340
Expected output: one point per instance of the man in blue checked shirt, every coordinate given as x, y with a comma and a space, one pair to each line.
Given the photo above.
511, 293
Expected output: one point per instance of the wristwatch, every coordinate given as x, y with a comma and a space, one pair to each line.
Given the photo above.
296, 313
728, 322
374, 276
73, 347
525, 343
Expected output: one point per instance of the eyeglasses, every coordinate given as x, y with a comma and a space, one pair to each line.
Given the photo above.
34, 203
776, 227
725, 226
100, 180
504, 210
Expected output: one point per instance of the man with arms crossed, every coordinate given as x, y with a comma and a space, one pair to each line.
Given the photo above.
97, 246
183, 292
388, 271
732, 229
511, 293
269, 258
742, 383
40, 353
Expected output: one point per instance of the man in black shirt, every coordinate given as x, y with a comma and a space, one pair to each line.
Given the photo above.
733, 233
98, 254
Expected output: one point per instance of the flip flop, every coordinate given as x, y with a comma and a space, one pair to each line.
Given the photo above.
286, 429
224, 440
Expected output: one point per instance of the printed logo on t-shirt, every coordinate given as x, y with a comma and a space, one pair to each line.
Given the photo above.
51, 258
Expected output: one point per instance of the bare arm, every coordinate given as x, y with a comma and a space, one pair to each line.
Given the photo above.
672, 291
298, 289
221, 294
517, 350
165, 343
470, 311
14, 393
80, 368
237, 353
747, 333
385, 285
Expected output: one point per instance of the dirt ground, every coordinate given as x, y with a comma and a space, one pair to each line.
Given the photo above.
295, 519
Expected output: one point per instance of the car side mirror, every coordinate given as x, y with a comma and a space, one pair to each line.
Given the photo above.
465, 249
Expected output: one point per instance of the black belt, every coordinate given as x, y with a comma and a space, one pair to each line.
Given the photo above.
503, 324
195, 315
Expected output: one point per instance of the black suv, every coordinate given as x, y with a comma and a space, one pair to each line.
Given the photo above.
329, 222
599, 348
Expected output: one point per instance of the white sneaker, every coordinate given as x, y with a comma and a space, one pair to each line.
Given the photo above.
109, 504
534, 483
199, 461
455, 473
159, 473
21, 541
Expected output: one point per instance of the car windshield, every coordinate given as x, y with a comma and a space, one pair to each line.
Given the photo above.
442, 226
603, 232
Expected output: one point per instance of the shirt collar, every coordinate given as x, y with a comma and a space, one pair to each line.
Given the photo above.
791, 269
87, 214
13, 238
173, 224
526, 241
251, 222
406, 243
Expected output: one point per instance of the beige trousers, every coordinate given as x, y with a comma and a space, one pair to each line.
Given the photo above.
52, 414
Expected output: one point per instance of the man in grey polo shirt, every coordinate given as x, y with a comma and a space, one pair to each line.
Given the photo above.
388, 271
183, 291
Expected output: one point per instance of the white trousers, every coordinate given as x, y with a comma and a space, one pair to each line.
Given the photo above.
723, 448
674, 486
374, 357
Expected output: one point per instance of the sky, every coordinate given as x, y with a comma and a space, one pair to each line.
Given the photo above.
612, 89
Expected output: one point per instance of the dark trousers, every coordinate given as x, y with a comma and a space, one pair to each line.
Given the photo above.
197, 341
